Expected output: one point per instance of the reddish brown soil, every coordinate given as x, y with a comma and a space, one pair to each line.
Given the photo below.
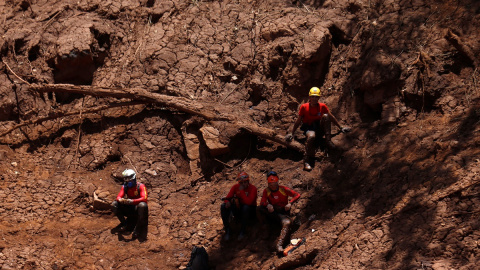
400, 192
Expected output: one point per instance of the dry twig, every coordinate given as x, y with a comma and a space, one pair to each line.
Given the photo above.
8, 67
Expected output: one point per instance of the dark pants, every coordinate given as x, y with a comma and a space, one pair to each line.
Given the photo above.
314, 133
136, 215
278, 216
243, 212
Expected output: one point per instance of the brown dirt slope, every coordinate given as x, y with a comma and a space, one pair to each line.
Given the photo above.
400, 192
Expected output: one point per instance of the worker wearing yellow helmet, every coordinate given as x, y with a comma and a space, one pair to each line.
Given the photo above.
316, 120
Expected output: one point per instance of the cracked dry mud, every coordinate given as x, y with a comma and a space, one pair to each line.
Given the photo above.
401, 191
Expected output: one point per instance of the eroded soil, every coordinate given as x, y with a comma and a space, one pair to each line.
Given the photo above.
401, 191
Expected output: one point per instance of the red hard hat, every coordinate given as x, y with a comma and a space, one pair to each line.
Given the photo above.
272, 179
243, 176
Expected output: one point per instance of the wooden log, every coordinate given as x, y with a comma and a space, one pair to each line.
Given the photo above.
206, 110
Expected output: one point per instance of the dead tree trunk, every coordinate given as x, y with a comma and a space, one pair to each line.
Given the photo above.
208, 111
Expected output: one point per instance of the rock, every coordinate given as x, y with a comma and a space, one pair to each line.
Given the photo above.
192, 145
211, 137
99, 204
151, 172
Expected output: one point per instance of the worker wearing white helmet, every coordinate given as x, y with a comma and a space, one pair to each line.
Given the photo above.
316, 120
130, 207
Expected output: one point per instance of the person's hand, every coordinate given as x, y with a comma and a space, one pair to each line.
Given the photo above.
122, 201
288, 206
289, 137
270, 208
345, 129
127, 201
227, 204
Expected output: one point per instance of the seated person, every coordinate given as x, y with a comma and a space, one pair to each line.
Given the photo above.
240, 202
131, 203
275, 206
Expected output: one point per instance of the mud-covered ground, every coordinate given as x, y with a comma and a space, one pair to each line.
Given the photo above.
401, 191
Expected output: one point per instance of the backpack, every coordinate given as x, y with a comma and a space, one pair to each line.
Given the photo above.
198, 259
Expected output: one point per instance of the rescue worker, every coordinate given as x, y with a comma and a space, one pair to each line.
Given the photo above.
316, 120
275, 206
131, 203
240, 202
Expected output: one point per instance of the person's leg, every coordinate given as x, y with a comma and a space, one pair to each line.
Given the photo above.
245, 216
117, 211
326, 126
309, 149
142, 219
284, 232
225, 214
131, 214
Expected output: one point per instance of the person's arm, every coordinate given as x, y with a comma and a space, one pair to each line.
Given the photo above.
292, 193
296, 124
335, 121
230, 194
264, 200
120, 194
143, 195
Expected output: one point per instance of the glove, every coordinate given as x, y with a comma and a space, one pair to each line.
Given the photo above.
125, 201
270, 208
288, 206
289, 137
345, 129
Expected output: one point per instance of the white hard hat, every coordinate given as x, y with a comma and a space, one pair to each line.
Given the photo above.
129, 174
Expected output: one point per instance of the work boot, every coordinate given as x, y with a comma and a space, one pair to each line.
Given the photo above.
307, 167
119, 228
307, 163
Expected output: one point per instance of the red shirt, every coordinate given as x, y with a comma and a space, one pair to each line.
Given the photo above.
133, 193
247, 196
279, 197
310, 114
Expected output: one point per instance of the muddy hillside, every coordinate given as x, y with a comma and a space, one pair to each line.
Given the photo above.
188, 93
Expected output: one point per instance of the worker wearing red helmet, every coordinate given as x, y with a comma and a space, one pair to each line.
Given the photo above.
316, 120
275, 206
240, 202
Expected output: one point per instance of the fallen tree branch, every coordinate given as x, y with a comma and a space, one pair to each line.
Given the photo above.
59, 114
179, 103
206, 110
461, 47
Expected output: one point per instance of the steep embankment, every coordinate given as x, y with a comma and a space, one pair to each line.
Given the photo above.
400, 192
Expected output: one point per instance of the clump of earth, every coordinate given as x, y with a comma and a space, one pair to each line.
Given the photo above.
190, 93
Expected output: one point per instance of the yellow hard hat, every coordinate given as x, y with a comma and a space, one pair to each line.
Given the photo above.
314, 92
